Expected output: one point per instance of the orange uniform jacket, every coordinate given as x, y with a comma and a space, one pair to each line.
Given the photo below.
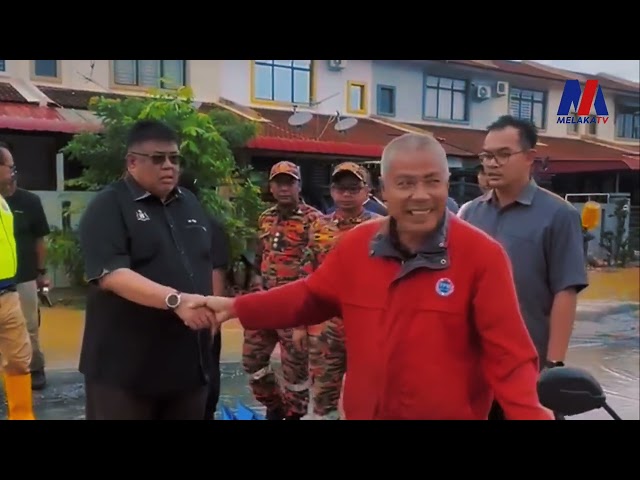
414, 353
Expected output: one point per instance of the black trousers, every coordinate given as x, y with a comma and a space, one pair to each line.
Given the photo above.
213, 395
105, 402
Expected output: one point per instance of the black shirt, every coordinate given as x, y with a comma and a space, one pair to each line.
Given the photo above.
142, 349
30, 224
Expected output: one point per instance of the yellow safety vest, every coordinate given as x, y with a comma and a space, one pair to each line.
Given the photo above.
8, 254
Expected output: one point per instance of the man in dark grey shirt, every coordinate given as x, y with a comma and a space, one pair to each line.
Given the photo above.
541, 232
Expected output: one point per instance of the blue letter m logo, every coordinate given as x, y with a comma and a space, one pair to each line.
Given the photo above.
573, 96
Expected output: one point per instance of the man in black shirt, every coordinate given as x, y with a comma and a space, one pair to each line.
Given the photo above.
30, 228
147, 247
219, 263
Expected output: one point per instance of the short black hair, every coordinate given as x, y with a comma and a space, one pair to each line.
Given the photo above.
527, 130
145, 130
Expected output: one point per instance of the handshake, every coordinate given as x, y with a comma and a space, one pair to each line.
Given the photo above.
200, 312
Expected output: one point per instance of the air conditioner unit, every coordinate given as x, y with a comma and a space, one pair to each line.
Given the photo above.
502, 88
483, 92
337, 64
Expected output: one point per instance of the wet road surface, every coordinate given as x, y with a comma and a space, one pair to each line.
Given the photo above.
605, 342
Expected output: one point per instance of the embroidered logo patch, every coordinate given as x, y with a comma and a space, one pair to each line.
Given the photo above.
444, 287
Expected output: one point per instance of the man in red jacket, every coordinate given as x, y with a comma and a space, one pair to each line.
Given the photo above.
432, 324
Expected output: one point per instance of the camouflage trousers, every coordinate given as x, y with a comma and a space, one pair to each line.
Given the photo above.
328, 364
256, 361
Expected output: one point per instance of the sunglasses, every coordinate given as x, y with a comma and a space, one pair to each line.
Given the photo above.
160, 158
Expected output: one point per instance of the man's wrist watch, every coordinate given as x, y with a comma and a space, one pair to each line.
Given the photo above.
553, 364
173, 300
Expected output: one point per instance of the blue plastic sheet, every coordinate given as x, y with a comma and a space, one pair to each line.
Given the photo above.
241, 412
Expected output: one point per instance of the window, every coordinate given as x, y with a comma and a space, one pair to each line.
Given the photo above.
572, 128
386, 98
527, 105
45, 68
356, 97
149, 73
592, 128
2, 65
287, 81
445, 99
628, 121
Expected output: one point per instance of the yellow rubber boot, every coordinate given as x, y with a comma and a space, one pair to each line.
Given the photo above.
19, 400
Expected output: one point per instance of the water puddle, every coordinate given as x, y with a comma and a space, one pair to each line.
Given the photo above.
605, 342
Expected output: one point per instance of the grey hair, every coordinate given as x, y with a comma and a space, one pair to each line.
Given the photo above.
413, 142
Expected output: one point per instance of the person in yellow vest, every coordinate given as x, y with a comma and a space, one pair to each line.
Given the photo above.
15, 345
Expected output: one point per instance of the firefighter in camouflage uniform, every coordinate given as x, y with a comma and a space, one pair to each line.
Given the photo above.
283, 238
327, 357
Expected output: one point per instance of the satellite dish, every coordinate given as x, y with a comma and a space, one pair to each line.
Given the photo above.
298, 119
345, 124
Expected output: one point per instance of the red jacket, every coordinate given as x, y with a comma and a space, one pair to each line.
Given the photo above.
413, 354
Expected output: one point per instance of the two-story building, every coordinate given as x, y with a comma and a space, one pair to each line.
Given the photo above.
454, 100
460, 98
353, 108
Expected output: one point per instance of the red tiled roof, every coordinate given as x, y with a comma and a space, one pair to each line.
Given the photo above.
457, 142
70, 98
633, 161
565, 154
366, 139
509, 66
23, 116
9, 94
534, 69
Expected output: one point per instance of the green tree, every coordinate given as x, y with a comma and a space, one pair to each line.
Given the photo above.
207, 144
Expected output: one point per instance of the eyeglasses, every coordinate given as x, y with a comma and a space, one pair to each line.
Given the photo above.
501, 158
159, 158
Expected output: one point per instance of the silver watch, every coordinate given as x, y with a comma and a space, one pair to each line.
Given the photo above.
173, 300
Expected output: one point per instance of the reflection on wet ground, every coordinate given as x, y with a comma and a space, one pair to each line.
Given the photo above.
605, 342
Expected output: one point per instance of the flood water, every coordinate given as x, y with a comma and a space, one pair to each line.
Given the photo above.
605, 342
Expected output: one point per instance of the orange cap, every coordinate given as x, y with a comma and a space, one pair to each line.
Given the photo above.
350, 167
285, 168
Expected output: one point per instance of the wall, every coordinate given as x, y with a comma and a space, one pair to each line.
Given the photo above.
409, 78
53, 203
202, 75
330, 82
235, 84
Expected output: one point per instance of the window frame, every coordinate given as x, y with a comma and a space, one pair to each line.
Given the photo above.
56, 78
574, 126
426, 87
394, 106
364, 103
136, 86
293, 68
533, 101
625, 116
